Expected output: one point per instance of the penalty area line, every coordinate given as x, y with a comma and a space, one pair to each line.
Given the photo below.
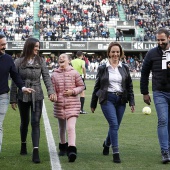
54, 159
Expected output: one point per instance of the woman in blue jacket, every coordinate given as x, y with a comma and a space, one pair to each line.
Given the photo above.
113, 88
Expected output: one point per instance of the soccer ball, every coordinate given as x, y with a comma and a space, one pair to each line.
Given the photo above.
146, 110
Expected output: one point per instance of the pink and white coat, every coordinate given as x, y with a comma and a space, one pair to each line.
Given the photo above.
62, 80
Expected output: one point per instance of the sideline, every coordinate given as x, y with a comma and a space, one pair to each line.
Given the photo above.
54, 159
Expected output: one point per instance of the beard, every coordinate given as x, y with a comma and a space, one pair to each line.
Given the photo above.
163, 46
2, 51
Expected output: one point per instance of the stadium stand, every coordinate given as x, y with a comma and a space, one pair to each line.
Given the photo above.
83, 20
16, 19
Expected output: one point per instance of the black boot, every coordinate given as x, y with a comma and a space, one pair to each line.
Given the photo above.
23, 148
116, 158
165, 157
63, 149
35, 156
72, 153
105, 149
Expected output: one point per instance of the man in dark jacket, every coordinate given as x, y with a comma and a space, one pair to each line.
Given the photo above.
7, 67
157, 61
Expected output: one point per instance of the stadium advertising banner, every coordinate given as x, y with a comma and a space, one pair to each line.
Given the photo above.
78, 45
67, 45
53, 45
134, 75
104, 45
15, 45
86, 46
142, 45
18, 45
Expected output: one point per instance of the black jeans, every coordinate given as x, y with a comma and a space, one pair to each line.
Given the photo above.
24, 108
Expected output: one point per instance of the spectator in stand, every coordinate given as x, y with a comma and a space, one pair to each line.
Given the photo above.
103, 2
146, 38
121, 35
23, 37
146, 15
53, 37
117, 35
153, 37
85, 38
119, 4
22, 20
141, 36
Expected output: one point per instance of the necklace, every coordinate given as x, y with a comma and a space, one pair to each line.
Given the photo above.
31, 61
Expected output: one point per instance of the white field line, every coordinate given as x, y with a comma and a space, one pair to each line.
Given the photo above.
54, 159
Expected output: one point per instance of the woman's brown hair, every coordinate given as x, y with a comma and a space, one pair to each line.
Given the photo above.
115, 44
28, 50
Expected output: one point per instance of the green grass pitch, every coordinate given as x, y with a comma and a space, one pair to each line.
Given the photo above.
138, 143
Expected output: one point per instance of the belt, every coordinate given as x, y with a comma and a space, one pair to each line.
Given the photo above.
30, 84
117, 93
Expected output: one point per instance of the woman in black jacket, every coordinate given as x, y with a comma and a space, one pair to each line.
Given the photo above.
113, 88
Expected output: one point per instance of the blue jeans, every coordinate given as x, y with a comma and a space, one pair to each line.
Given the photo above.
113, 111
4, 101
162, 105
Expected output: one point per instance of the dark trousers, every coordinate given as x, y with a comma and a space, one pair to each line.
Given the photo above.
25, 108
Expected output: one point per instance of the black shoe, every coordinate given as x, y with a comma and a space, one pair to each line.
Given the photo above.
72, 153
83, 112
105, 149
63, 149
165, 157
23, 149
35, 156
116, 158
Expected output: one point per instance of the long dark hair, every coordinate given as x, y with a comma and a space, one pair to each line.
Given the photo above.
28, 50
